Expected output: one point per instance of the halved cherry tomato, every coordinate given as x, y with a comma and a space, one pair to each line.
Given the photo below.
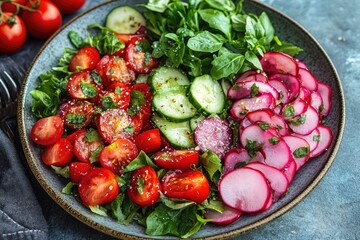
59, 154
138, 55
141, 117
114, 124
77, 170
118, 154
69, 6
148, 141
126, 38
47, 131
83, 147
97, 187
85, 59
144, 186
171, 159
44, 21
118, 94
82, 86
12, 36
190, 184
72, 137
114, 69
76, 114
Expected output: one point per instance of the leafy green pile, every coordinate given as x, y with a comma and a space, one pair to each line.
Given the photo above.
211, 37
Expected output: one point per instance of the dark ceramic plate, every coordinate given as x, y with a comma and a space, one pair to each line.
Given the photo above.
306, 179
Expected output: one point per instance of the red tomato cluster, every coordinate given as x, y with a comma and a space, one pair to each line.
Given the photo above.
104, 125
38, 18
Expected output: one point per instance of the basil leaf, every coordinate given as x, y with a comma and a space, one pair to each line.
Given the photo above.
96, 77
174, 203
99, 210
92, 136
62, 171
156, 5
141, 160
273, 140
301, 152
289, 111
123, 209
68, 189
316, 138
94, 156
252, 147
254, 90
226, 64
224, 5
263, 125
107, 103
300, 120
129, 129
76, 40
217, 20
287, 48
75, 118
211, 163
253, 59
206, 42
88, 89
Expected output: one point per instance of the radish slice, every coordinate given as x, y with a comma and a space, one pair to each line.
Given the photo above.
316, 101
246, 89
215, 134
241, 107
307, 80
311, 121
325, 140
312, 138
281, 89
278, 62
269, 117
299, 148
252, 76
305, 95
227, 216
245, 189
290, 170
294, 109
277, 179
238, 156
269, 203
325, 92
302, 65
253, 133
292, 84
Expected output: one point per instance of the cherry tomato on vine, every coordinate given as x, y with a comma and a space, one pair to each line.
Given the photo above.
43, 21
190, 184
144, 186
11, 6
99, 186
13, 33
69, 6
47, 131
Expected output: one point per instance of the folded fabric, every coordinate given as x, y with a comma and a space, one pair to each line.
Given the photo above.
20, 214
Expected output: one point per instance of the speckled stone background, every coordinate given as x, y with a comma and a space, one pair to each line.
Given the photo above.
332, 209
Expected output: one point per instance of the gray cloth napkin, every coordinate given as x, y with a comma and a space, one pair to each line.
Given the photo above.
20, 214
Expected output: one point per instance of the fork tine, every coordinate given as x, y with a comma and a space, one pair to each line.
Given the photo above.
5, 94
9, 81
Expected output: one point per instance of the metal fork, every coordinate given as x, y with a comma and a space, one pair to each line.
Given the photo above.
10, 82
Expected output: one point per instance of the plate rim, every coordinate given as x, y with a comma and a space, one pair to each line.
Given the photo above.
226, 235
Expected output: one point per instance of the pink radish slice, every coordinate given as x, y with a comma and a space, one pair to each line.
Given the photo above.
227, 216
245, 89
215, 134
282, 90
277, 109
252, 76
245, 189
277, 179
312, 138
269, 203
238, 156
292, 84
325, 140
290, 170
269, 117
307, 80
299, 148
311, 122
325, 92
302, 65
316, 101
277, 62
276, 155
241, 107
294, 108
305, 95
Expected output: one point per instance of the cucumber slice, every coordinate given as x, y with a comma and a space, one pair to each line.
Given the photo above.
195, 121
207, 94
125, 19
174, 104
165, 78
178, 134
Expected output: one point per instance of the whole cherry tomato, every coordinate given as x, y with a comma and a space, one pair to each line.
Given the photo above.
98, 186
44, 21
69, 6
190, 184
12, 33
144, 186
